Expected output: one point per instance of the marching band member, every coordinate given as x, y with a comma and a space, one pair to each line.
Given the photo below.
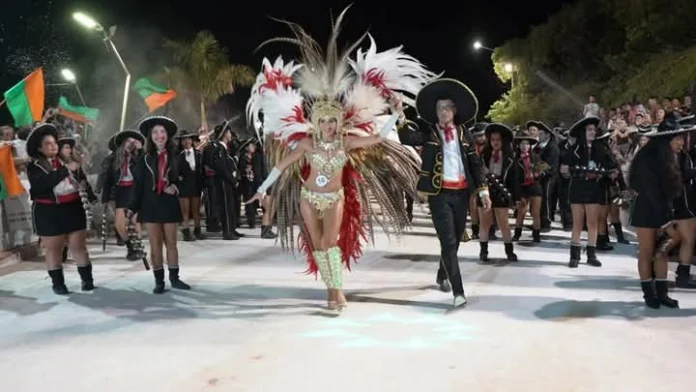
478, 133
155, 198
685, 209
190, 185
549, 152
497, 156
58, 212
531, 169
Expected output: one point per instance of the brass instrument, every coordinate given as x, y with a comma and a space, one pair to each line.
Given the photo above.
135, 240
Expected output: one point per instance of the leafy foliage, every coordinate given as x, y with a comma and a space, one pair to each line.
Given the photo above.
616, 50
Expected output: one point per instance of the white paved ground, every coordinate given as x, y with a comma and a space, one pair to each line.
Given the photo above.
254, 323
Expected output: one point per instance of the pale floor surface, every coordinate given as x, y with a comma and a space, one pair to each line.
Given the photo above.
254, 322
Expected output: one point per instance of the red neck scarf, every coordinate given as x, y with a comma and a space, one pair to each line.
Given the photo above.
448, 131
496, 156
55, 162
528, 177
161, 172
124, 167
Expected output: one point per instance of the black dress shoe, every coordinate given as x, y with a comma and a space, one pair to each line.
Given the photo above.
444, 286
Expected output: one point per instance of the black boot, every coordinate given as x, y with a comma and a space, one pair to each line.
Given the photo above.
132, 254
603, 242
592, 256
491, 234
159, 281
574, 256
518, 234
618, 229
197, 233
510, 252
58, 280
267, 233
483, 254
85, 272
188, 237
649, 295
661, 291
536, 235
119, 240
684, 277
175, 281
475, 231
65, 253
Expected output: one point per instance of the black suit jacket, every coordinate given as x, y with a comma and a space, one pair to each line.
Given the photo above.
432, 156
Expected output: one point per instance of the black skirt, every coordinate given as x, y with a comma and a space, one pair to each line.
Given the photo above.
189, 187
58, 219
642, 215
123, 196
604, 196
533, 190
497, 201
162, 208
582, 191
685, 205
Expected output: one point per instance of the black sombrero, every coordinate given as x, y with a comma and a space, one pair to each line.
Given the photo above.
539, 125
446, 88
122, 136
36, 137
479, 129
147, 124
669, 127
645, 129
523, 135
66, 140
580, 125
184, 134
504, 131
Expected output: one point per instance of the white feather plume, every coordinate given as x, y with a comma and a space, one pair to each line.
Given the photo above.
397, 71
364, 103
283, 114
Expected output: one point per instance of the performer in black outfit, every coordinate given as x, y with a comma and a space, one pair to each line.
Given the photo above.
584, 188
226, 180
191, 179
605, 197
58, 211
531, 169
450, 171
563, 182
251, 163
503, 185
212, 204
685, 208
548, 151
155, 198
478, 133
118, 181
655, 178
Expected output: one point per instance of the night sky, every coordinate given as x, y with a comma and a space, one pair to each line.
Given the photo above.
439, 33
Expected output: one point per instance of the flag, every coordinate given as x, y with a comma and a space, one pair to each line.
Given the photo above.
26, 99
155, 96
78, 113
10, 186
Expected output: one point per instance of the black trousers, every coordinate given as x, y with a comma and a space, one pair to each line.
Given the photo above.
210, 199
448, 210
228, 206
409, 205
548, 200
563, 185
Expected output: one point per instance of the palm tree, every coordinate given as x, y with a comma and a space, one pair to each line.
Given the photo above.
204, 70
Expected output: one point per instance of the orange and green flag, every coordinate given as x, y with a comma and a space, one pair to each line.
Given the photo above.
10, 186
26, 99
155, 96
82, 114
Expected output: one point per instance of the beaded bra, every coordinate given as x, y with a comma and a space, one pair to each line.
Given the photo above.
327, 159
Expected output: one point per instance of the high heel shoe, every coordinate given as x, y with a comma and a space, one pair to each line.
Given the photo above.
332, 305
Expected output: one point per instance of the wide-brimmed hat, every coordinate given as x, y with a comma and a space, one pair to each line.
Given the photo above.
670, 127
147, 124
37, 135
645, 129
523, 135
479, 129
184, 134
66, 140
445, 88
503, 130
539, 125
580, 125
122, 136
603, 134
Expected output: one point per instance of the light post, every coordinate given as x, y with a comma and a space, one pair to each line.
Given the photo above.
70, 77
510, 69
92, 24
478, 46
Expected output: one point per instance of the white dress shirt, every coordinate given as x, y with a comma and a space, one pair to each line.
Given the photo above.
190, 158
453, 167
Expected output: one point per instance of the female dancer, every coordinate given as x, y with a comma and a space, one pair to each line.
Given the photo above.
685, 211
118, 181
584, 188
191, 185
58, 211
605, 197
498, 158
155, 198
336, 149
655, 177
530, 169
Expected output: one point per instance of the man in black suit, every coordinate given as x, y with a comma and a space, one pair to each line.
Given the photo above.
451, 169
548, 151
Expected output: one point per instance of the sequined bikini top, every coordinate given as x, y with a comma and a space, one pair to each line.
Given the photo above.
327, 158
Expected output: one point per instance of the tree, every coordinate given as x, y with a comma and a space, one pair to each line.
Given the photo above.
204, 70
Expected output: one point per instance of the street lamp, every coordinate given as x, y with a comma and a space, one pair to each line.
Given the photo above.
478, 46
509, 68
70, 77
92, 24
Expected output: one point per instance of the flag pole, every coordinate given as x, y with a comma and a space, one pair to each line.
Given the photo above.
2, 102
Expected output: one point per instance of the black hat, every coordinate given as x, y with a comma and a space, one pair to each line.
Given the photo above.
687, 121
670, 127
219, 130
147, 124
580, 125
122, 136
504, 131
479, 129
539, 125
523, 135
66, 140
37, 135
184, 134
645, 129
464, 100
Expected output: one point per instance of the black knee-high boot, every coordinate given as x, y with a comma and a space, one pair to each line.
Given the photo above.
684, 280
592, 256
518, 234
159, 281
510, 252
618, 229
574, 256
649, 295
475, 231
536, 235
175, 281
58, 280
85, 272
483, 254
662, 291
